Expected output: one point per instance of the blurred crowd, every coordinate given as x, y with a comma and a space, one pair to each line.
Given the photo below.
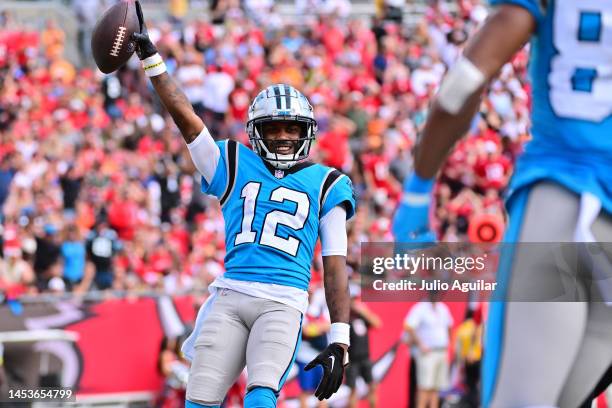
97, 190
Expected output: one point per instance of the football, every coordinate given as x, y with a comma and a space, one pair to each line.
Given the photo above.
111, 42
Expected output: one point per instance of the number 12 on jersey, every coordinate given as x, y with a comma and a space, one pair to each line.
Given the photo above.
268, 237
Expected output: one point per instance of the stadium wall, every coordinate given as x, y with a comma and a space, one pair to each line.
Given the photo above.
110, 349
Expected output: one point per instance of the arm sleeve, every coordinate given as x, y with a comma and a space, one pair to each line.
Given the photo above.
205, 154
219, 180
340, 192
332, 230
535, 7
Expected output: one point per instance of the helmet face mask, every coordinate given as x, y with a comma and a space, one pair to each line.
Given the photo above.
286, 104
295, 135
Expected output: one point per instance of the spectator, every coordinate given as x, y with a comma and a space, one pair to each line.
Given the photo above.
16, 275
122, 215
428, 325
87, 12
175, 371
178, 10
333, 145
190, 76
167, 176
71, 185
425, 78
47, 259
102, 245
218, 85
6, 176
468, 339
74, 255
393, 10
53, 39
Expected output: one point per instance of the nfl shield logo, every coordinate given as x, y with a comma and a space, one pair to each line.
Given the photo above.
279, 174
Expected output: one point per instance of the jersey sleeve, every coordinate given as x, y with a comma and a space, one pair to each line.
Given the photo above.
204, 154
225, 173
337, 190
535, 7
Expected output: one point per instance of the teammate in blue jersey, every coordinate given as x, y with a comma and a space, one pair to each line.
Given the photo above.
275, 205
542, 354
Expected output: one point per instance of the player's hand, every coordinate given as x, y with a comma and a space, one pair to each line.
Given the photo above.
332, 361
144, 46
411, 220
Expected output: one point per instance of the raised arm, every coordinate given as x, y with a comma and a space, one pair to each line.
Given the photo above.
173, 98
202, 148
179, 107
503, 34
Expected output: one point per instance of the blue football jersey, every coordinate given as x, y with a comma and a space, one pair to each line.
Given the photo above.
571, 75
272, 216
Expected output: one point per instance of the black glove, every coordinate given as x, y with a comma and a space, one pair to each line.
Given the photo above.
332, 361
144, 46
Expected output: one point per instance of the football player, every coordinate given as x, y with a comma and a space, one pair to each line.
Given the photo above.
275, 205
548, 353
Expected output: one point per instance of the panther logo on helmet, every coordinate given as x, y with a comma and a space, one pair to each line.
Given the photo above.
281, 103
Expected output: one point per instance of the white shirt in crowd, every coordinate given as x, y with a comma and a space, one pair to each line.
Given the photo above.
217, 88
191, 78
431, 322
422, 78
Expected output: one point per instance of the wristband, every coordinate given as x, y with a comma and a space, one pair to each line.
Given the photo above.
154, 65
340, 333
461, 82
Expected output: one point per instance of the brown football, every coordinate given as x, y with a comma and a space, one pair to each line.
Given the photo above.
111, 42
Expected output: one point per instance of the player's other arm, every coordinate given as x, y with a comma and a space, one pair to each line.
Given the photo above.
334, 244
332, 231
504, 33
335, 280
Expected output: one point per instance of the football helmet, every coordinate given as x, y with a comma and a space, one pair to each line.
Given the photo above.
281, 103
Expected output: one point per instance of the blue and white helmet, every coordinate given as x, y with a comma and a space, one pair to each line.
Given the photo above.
281, 103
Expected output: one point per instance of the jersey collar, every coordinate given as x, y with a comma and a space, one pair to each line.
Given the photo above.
279, 174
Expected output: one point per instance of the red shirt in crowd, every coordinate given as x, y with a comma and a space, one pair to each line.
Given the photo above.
492, 172
160, 260
334, 146
122, 216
